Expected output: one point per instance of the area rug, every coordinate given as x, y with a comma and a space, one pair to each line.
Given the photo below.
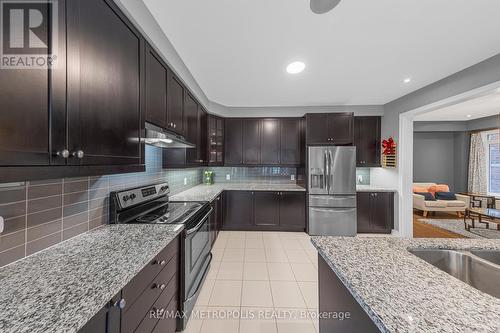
457, 226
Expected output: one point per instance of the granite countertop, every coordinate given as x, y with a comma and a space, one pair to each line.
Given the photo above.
402, 293
374, 188
63, 287
210, 192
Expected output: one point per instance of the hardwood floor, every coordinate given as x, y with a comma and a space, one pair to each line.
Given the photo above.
422, 230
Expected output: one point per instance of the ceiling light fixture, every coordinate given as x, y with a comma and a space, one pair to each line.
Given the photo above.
295, 67
469, 116
407, 80
323, 6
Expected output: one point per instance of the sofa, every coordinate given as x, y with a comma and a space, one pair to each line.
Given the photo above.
458, 206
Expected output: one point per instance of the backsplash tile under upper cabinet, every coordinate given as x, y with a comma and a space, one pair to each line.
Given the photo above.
363, 176
42, 213
266, 175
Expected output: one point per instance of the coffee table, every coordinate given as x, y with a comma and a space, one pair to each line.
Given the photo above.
493, 215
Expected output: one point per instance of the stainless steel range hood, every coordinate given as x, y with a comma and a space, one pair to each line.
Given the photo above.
159, 137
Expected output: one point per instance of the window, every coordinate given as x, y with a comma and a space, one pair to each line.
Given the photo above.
492, 149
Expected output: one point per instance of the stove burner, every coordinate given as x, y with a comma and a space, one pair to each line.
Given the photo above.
148, 218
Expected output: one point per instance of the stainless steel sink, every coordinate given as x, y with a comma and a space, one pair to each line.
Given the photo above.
479, 273
493, 256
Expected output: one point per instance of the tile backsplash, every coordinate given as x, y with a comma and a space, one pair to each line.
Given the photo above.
363, 176
266, 175
39, 214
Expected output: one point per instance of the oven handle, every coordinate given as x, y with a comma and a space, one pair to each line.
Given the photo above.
198, 226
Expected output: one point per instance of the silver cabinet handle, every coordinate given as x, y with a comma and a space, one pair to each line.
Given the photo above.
2, 224
63, 153
120, 304
175, 125
78, 154
158, 286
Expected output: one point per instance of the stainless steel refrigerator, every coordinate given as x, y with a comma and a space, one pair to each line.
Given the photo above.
332, 191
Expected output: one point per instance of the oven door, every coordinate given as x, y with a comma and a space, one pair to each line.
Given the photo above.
197, 257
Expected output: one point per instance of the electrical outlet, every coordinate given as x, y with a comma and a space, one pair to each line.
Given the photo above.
228, 177
292, 177
360, 179
185, 181
2, 225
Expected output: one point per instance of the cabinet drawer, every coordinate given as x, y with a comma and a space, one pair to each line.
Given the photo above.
159, 311
134, 313
167, 325
139, 283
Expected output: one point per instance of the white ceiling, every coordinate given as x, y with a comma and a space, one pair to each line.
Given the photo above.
358, 54
480, 107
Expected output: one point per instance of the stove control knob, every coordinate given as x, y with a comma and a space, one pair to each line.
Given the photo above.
126, 198
164, 188
132, 196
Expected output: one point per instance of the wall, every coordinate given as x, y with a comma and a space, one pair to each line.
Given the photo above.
39, 214
441, 157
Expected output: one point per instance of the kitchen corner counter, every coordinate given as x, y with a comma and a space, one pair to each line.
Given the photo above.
210, 192
402, 293
63, 287
374, 188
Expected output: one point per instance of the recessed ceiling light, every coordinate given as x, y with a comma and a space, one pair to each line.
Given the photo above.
295, 67
407, 80
469, 116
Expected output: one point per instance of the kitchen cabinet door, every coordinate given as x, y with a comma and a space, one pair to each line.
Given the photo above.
290, 135
363, 204
266, 208
270, 142
191, 129
156, 89
382, 212
251, 141
175, 104
33, 109
317, 132
233, 147
341, 128
293, 210
215, 142
238, 210
202, 136
105, 70
367, 141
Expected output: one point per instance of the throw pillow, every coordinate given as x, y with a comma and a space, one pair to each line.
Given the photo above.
427, 196
446, 196
419, 189
442, 188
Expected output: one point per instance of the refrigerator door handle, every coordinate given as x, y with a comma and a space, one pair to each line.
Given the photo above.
325, 170
330, 175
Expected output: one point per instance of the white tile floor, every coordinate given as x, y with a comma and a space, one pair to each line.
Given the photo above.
252, 273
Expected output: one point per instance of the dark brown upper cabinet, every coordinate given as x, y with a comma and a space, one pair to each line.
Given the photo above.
215, 144
330, 128
233, 143
191, 127
290, 141
105, 68
270, 142
375, 212
175, 104
156, 89
251, 141
201, 144
367, 141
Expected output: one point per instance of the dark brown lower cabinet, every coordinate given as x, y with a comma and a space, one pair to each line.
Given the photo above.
375, 211
152, 293
263, 210
293, 211
335, 298
107, 320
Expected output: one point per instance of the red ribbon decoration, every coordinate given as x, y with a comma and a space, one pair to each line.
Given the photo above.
389, 146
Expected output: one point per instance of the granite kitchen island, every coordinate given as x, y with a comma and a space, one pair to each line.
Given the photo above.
399, 292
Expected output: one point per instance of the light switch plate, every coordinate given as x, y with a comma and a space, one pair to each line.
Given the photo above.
228, 177
185, 181
2, 225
